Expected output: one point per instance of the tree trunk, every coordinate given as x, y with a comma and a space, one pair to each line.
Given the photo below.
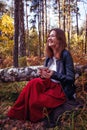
86, 36
46, 19
43, 26
22, 32
64, 15
39, 27
27, 29
69, 13
16, 33
77, 9
58, 1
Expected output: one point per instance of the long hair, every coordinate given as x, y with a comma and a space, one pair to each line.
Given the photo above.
60, 35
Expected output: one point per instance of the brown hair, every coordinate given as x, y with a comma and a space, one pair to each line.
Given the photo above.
60, 35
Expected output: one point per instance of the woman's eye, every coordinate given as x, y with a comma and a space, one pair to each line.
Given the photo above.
51, 36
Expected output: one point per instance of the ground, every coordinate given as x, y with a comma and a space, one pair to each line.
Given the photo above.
75, 120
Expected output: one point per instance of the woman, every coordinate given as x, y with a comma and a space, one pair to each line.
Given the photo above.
53, 86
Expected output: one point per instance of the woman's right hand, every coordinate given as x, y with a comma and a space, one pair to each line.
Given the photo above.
45, 72
42, 71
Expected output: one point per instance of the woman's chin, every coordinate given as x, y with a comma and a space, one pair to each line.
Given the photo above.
51, 44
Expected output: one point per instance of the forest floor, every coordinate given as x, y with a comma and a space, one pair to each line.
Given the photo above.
74, 120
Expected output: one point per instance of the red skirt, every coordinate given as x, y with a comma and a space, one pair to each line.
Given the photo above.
35, 96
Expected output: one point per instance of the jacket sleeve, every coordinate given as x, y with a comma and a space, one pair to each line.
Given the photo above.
68, 76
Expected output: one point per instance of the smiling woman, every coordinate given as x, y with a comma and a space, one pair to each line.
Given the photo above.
56, 42
54, 86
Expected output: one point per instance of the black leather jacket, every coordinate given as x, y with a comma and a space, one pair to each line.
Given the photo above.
65, 72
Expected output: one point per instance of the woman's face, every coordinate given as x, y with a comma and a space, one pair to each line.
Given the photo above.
52, 40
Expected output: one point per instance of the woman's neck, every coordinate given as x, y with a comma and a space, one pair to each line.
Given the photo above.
56, 54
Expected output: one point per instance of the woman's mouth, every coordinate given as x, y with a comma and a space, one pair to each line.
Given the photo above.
50, 42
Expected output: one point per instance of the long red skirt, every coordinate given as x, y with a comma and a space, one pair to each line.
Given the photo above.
35, 96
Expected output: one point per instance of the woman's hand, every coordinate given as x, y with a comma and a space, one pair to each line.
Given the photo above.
45, 72
40, 70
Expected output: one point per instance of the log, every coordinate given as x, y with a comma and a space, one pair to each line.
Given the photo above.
79, 70
27, 73
18, 74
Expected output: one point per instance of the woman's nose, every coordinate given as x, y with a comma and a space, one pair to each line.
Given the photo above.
49, 37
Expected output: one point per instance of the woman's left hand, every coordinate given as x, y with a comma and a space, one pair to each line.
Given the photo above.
46, 73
